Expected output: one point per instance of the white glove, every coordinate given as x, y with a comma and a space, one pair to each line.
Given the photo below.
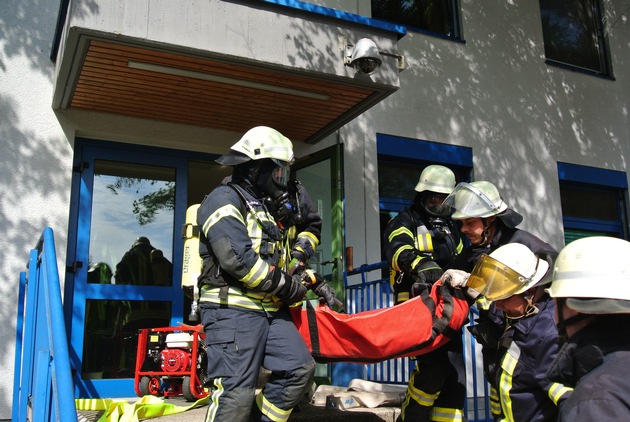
455, 278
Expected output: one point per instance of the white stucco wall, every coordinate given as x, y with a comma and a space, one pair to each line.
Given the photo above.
492, 93
35, 164
495, 94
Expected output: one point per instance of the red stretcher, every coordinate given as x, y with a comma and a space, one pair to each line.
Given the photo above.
412, 328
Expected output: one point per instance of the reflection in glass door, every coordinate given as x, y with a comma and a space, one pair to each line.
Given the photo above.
131, 243
125, 255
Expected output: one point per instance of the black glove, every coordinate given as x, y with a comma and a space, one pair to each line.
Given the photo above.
326, 294
424, 275
292, 291
288, 289
320, 287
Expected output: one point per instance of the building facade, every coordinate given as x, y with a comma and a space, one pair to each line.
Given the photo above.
114, 111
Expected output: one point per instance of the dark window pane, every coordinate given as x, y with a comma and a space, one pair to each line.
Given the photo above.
587, 203
573, 33
111, 334
396, 181
439, 16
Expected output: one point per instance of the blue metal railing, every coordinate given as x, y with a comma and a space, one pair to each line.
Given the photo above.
42, 388
376, 294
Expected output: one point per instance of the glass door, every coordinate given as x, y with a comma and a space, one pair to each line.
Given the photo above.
320, 174
122, 276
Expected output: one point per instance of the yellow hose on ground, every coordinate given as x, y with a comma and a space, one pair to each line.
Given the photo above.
120, 410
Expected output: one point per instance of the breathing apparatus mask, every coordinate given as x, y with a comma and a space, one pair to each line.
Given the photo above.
431, 204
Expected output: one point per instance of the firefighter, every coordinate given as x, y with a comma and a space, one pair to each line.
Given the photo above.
488, 223
591, 289
244, 294
514, 278
418, 243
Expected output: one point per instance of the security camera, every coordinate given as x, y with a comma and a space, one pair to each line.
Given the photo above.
365, 56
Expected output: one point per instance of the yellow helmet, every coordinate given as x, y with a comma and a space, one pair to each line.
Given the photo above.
509, 270
258, 143
593, 274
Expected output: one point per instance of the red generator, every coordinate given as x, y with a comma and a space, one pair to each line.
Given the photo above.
171, 361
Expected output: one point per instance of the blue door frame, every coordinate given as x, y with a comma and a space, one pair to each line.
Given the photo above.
76, 289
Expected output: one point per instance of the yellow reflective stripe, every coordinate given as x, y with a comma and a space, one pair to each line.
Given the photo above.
557, 390
397, 254
228, 210
446, 414
213, 405
312, 239
270, 410
424, 242
505, 384
483, 303
416, 261
460, 247
422, 398
291, 232
402, 296
400, 231
417, 395
252, 300
495, 405
256, 274
254, 230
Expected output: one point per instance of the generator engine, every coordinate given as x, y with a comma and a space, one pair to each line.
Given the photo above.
177, 355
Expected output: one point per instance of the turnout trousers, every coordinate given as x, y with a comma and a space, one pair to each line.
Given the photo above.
238, 343
437, 386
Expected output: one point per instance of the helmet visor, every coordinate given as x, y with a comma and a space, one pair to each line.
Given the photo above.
433, 205
469, 202
496, 280
281, 173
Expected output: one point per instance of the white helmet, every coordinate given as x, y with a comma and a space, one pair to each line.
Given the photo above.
509, 270
480, 199
258, 143
593, 274
436, 178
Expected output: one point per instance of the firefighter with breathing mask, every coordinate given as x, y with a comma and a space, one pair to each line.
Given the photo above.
591, 288
419, 242
525, 343
488, 223
244, 294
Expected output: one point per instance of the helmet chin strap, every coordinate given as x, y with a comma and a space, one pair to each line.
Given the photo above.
562, 324
530, 309
486, 239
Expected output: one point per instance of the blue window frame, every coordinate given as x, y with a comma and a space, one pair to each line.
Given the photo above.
593, 201
400, 162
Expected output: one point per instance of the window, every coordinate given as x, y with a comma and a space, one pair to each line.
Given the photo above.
435, 16
573, 32
593, 202
400, 162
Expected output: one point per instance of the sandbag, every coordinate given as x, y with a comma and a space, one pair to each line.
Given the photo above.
412, 328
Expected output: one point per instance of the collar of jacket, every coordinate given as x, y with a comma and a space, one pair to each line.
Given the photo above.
585, 351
